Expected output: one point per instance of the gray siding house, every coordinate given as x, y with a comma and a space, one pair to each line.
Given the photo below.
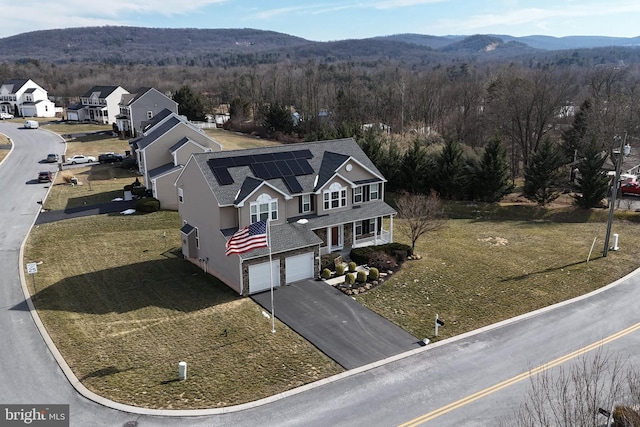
139, 107
162, 151
318, 197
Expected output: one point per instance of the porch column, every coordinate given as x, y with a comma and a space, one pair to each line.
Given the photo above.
375, 231
390, 228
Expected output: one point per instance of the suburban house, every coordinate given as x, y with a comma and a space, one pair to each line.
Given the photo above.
164, 148
99, 104
140, 106
25, 98
317, 197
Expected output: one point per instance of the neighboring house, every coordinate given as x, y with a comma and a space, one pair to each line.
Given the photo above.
99, 104
319, 197
162, 151
139, 107
24, 98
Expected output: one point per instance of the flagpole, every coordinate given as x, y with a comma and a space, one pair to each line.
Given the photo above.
273, 318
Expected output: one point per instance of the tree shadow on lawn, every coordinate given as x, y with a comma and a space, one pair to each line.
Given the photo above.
171, 283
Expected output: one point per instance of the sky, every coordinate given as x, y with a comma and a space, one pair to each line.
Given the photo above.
336, 19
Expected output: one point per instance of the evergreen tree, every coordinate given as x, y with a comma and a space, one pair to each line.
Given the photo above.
278, 118
592, 183
573, 137
491, 180
451, 176
389, 164
415, 169
189, 104
543, 176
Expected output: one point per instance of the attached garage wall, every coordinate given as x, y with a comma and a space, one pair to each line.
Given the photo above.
299, 267
259, 278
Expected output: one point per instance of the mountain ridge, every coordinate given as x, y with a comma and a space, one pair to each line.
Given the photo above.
233, 46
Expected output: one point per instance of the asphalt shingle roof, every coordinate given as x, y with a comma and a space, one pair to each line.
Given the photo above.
326, 157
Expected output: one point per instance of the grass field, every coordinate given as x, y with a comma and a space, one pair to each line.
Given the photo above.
124, 308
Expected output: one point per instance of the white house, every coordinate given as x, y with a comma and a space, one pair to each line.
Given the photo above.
25, 98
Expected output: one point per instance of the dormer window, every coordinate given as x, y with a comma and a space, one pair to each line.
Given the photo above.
264, 208
335, 197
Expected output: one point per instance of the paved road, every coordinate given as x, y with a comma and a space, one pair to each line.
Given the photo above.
386, 394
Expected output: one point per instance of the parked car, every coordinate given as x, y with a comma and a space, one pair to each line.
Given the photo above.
52, 158
31, 124
110, 158
79, 158
45, 176
631, 188
4, 116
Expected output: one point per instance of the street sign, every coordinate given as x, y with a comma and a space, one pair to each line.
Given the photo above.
32, 268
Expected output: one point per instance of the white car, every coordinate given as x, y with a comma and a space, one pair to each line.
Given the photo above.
79, 158
4, 115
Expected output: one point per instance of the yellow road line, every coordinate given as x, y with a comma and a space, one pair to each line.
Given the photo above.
487, 391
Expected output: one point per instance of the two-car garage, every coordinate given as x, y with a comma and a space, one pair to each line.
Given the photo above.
297, 267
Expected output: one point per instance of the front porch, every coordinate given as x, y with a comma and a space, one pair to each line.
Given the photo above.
369, 232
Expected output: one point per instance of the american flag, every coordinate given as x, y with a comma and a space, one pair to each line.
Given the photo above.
248, 238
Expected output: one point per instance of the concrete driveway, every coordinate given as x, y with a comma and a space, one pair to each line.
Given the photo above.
339, 326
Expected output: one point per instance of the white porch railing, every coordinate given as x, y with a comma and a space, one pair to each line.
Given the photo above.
383, 237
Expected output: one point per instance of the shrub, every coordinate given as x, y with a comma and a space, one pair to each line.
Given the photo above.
66, 177
352, 266
362, 276
382, 261
350, 279
374, 273
326, 273
139, 191
624, 416
148, 204
128, 163
339, 270
361, 255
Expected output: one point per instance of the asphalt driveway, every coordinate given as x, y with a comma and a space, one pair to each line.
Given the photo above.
347, 332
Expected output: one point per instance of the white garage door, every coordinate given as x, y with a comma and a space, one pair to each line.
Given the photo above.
259, 279
299, 267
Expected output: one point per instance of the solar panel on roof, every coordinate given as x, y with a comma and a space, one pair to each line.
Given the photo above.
284, 155
243, 160
283, 167
259, 170
295, 168
222, 162
292, 183
262, 158
222, 175
306, 167
302, 154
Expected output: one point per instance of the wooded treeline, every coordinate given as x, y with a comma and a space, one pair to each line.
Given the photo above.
468, 103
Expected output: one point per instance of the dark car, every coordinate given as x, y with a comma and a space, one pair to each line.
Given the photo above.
110, 158
45, 176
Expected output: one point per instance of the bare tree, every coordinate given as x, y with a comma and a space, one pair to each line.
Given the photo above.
572, 397
420, 213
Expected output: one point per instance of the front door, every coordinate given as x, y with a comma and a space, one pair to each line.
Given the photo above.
337, 237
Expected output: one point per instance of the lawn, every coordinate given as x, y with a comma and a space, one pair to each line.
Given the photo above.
5, 146
477, 272
124, 308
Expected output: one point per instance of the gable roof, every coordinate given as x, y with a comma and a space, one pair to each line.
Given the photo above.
14, 85
290, 169
157, 131
100, 91
163, 114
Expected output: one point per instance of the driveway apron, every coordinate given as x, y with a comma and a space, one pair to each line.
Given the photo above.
343, 329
